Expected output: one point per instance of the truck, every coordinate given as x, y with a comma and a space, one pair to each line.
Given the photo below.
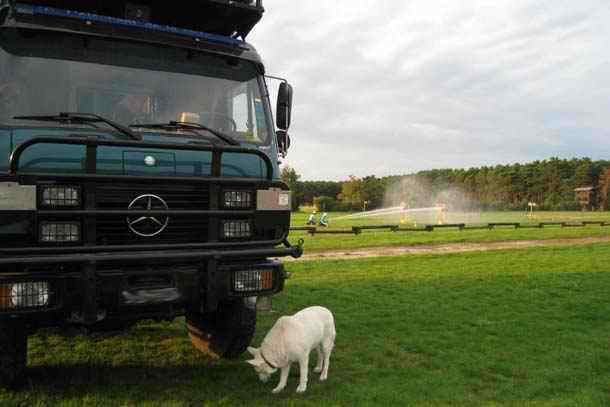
140, 178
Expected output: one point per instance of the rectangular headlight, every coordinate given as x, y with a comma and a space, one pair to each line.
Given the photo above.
252, 280
236, 229
237, 199
59, 232
59, 196
24, 295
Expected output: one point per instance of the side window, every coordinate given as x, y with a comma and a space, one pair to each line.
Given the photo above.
240, 110
248, 113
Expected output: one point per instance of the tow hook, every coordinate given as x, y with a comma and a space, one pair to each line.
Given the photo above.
297, 251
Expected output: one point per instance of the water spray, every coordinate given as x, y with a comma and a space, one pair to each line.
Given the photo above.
393, 211
440, 214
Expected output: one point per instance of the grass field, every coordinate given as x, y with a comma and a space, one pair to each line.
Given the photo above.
319, 243
339, 219
527, 327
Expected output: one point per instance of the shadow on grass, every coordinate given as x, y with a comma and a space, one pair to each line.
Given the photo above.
95, 375
138, 383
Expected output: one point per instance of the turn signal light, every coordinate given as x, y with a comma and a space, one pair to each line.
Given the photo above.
24, 295
252, 280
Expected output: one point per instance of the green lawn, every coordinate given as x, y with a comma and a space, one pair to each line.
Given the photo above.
527, 327
319, 243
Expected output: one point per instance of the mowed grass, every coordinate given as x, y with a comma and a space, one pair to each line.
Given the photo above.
527, 327
383, 238
370, 238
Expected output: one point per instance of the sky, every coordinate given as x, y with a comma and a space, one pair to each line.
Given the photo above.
390, 87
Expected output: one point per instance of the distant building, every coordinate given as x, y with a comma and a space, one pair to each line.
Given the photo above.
587, 197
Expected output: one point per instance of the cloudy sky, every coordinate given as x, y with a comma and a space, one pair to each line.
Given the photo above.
390, 86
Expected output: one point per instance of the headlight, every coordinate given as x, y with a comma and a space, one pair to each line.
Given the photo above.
236, 229
58, 196
24, 295
59, 232
237, 199
252, 280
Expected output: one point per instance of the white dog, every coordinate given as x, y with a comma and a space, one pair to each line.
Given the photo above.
291, 340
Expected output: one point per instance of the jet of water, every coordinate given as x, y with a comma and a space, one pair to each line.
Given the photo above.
389, 211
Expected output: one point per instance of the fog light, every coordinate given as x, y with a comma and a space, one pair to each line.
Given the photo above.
24, 295
60, 196
64, 232
236, 229
238, 199
252, 280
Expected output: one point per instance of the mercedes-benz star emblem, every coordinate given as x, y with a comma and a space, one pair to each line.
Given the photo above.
147, 226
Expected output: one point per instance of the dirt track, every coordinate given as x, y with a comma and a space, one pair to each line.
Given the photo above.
448, 248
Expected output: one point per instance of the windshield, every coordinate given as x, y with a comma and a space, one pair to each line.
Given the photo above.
44, 74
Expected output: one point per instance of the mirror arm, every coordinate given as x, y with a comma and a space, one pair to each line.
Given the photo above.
277, 78
283, 142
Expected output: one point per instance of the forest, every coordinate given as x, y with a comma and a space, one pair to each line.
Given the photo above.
548, 183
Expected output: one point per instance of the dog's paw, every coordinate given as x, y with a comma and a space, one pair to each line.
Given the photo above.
301, 389
318, 369
277, 390
323, 378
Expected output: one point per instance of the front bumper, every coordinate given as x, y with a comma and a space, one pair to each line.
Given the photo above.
94, 288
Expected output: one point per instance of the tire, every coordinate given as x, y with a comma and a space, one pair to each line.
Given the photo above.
13, 353
226, 333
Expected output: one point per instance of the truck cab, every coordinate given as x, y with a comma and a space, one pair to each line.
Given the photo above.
139, 171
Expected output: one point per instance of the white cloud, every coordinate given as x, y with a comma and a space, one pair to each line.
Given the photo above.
392, 87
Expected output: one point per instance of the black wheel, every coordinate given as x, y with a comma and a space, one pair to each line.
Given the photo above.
13, 353
226, 333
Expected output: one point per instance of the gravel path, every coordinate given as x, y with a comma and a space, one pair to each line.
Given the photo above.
446, 248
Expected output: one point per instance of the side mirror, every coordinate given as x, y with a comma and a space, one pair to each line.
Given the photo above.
284, 106
283, 142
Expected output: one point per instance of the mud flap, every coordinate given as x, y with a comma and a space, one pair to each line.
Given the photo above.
201, 341
226, 333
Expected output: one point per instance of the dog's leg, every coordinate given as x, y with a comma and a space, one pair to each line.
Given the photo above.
283, 379
304, 366
327, 348
320, 363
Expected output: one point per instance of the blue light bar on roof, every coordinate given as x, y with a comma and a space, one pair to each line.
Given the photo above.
114, 21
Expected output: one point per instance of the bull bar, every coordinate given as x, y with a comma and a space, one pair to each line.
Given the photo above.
88, 263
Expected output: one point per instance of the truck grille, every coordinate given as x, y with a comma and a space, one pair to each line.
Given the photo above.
190, 229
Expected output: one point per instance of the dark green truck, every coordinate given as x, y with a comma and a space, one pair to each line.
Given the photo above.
140, 175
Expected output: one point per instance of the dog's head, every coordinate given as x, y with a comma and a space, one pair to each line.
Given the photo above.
261, 367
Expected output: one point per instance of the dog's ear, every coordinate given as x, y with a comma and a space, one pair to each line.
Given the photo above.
253, 362
253, 351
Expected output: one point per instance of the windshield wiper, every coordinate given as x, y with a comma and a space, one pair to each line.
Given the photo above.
82, 118
188, 126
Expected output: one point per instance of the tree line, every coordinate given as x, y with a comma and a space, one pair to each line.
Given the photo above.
548, 183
